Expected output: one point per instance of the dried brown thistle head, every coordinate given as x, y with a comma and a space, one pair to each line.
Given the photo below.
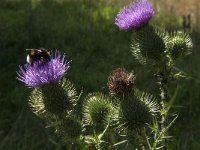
120, 82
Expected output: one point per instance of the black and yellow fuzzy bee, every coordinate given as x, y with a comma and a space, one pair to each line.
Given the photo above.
35, 55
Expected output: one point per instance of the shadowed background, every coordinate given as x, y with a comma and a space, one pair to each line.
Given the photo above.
85, 31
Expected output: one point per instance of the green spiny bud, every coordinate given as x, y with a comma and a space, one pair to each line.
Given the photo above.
36, 102
56, 98
149, 43
137, 111
134, 140
180, 44
98, 109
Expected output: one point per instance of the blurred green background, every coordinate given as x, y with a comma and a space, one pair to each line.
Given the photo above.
85, 31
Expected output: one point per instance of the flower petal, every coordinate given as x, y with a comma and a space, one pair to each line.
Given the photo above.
43, 72
135, 15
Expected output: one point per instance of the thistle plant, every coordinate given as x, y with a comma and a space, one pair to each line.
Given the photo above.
161, 49
125, 118
53, 96
108, 120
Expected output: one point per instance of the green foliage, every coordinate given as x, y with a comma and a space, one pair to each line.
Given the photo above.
134, 140
161, 135
149, 44
69, 128
56, 98
95, 141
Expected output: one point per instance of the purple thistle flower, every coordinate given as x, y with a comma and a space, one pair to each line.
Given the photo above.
42, 73
135, 16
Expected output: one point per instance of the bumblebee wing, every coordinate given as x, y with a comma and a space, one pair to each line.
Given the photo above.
28, 59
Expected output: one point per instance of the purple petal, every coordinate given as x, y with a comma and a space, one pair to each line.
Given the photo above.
135, 15
42, 73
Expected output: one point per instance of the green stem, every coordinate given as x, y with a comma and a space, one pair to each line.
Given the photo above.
146, 140
121, 142
163, 83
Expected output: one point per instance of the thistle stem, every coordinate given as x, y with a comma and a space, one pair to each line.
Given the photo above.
163, 83
121, 142
146, 140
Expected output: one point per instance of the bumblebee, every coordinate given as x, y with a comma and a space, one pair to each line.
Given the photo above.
37, 55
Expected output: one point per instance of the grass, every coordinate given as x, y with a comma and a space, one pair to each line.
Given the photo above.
85, 31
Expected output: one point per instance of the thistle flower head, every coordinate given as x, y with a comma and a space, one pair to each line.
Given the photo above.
98, 109
137, 110
180, 44
120, 82
42, 73
54, 99
135, 16
149, 45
